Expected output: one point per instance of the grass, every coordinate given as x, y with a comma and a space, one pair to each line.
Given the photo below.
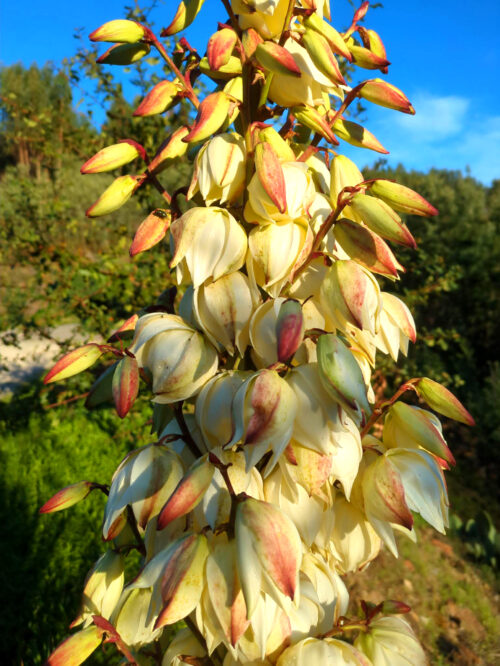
454, 602
46, 557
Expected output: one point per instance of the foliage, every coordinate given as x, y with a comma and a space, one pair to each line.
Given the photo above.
43, 557
37, 119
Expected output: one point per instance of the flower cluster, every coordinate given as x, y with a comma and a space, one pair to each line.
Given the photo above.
271, 475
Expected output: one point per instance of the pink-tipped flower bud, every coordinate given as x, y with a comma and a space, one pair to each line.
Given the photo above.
119, 31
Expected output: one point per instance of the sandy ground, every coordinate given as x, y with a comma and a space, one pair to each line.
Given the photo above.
23, 359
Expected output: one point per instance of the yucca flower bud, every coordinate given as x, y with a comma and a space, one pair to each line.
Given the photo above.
300, 191
213, 411
353, 541
270, 269
77, 648
103, 587
321, 54
124, 54
184, 16
357, 135
120, 31
178, 357
367, 248
269, 552
144, 480
276, 59
402, 198
390, 640
219, 173
223, 309
397, 326
270, 332
278, 144
220, 46
410, 427
264, 409
341, 376
349, 294
322, 651
344, 173
334, 38
207, 244
288, 90
365, 58
231, 69
212, 114
112, 157
170, 149
442, 400
384, 94
67, 497
381, 218
159, 99
113, 198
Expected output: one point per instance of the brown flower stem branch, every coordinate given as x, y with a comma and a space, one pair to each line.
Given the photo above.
232, 16
186, 435
133, 526
154, 180
380, 409
190, 94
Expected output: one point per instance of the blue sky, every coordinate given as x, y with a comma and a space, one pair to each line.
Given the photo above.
445, 57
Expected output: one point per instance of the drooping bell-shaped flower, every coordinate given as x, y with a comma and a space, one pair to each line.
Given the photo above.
322, 651
390, 640
144, 481
223, 309
269, 552
207, 244
219, 173
353, 541
264, 409
179, 358
213, 410
299, 193
103, 587
410, 427
270, 269
322, 425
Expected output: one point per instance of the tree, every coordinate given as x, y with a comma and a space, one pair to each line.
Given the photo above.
37, 118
